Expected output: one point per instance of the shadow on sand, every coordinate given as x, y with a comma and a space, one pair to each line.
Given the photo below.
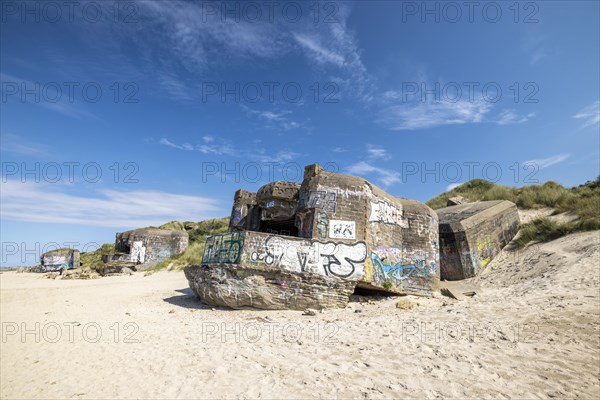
187, 299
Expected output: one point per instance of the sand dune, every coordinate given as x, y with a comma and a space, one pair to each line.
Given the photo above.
532, 332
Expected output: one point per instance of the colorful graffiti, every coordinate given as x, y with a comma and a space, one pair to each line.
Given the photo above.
485, 250
224, 248
324, 258
57, 262
387, 213
387, 264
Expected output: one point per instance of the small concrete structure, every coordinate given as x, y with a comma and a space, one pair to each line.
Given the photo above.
143, 248
58, 259
472, 234
311, 244
454, 201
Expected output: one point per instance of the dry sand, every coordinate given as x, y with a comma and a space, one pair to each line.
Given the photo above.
531, 332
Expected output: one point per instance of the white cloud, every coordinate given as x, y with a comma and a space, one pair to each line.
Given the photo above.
207, 148
510, 117
431, 114
222, 149
317, 51
50, 203
385, 176
377, 152
590, 114
275, 119
281, 156
546, 162
17, 144
43, 96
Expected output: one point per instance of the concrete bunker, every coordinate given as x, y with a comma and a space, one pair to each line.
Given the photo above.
59, 259
472, 234
143, 248
295, 245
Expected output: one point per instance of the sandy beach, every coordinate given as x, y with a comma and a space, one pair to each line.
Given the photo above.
532, 331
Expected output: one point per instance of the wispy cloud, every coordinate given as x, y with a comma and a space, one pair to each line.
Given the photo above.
546, 162
379, 153
319, 52
339, 150
508, 117
61, 105
278, 119
280, 156
590, 114
192, 40
431, 114
17, 144
334, 45
385, 176
105, 207
534, 45
184, 146
209, 146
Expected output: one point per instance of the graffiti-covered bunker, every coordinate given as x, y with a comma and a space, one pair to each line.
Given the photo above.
59, 259
143, 248
312, 244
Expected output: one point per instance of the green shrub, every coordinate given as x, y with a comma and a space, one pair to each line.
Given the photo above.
94, 258
499, 192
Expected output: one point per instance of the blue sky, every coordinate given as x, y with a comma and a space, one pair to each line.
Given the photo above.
121, 115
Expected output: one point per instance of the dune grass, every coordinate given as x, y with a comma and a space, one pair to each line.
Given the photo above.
198, 234
92, 259
582, 200
545, 229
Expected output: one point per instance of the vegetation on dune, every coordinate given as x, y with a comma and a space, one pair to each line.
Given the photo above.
545, 229
582, 200
94, 258
198, 232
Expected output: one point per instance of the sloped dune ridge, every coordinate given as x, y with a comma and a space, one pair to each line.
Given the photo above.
531, 331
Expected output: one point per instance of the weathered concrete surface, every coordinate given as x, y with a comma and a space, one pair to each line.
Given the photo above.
234, 286
454, 201
59, 259
472, 234
401, 235
147, 246
331, 228
255, 269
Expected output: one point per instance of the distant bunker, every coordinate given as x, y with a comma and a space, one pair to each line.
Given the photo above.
472, 234
58, 259
144, 248
293, 246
